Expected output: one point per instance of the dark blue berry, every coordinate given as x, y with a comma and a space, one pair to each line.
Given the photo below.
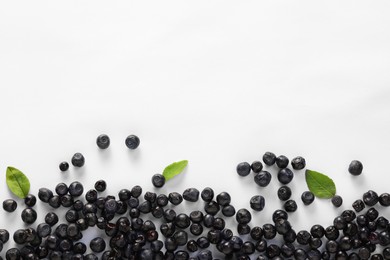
191, 194
262, 178
307, 197
256, 166
243, 168
282, 161
355, 167
337, 201
285, 176
175, 198
158, 180
64, 166
298, 163
257, 202
290, 206
97, 244
384, 199
76, 189
269, 158
4, 236
228, 211
132, 142
207, 194
103, 141
284, 193
51, 218
358, 205
9, 205
29, 215
223, 198
78, 160
370, 198
100, 185
243, 216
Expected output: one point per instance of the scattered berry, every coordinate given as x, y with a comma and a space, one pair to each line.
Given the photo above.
298, 163
158, 180
132, 142
64, 166
355, 167
282, 161
262, 178
285, 176
257, 202
257, 166
103, 141
243, 169
307, 197
9, 205
284, 193
78, 160
337, 201
269, 158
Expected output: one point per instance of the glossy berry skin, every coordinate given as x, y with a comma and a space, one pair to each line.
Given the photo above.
4, 236
64, 166
257, 202
223, 198
207, 194
243, 216
269, 158
76, 189
358, 205
158, 180
290, 206
370, 198
284, 193
307, 197
78, 160
9, 205
256, 166
100, 185
191, 194
285, 176
29, 215
282, 161
337, 201
262, 178
384, 199
243, 169
228, 211
97, 245
132, 142
51, 218
355, 167
103, 141
298, 163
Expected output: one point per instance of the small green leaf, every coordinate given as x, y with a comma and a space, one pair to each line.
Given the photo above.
321, 185
17, 182
174, 169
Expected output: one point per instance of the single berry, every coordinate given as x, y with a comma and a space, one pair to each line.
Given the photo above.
243, 169
207, 194
191, 194
78, 160
100, 185
29, 215
307, 197
257, 202
61, 189
223, 198
76, 189
384, 199
51, 218
243, 216
64, 166
269, 158
290, 206
256, 166
9, 205
97, 245
103, 141
355, 167
45, 194
284, 193
158, 180
262, 178
282, 161
370, 198
298, 163
132, 142
337, 201
4, 235
285, 176
358, 205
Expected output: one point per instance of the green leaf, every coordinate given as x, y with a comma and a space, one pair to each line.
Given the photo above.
174, 169
17, 182
321, 185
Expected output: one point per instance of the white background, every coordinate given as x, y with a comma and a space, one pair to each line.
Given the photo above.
216, 83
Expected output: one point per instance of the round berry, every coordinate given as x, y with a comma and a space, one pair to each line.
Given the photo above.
97, 245
262, 178
307, 197
269, 158
243, 169
285, 176
290, 206
132, 142
284, 193
78, 160
370, 198
337, 201
355, 167
100, 185
282, 161
64, 166
103, 141
9, 205
298, 163
257, 202
256, 166
29, 215
158, 180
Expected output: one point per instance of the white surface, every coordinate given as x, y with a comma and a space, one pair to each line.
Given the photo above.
216, 83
